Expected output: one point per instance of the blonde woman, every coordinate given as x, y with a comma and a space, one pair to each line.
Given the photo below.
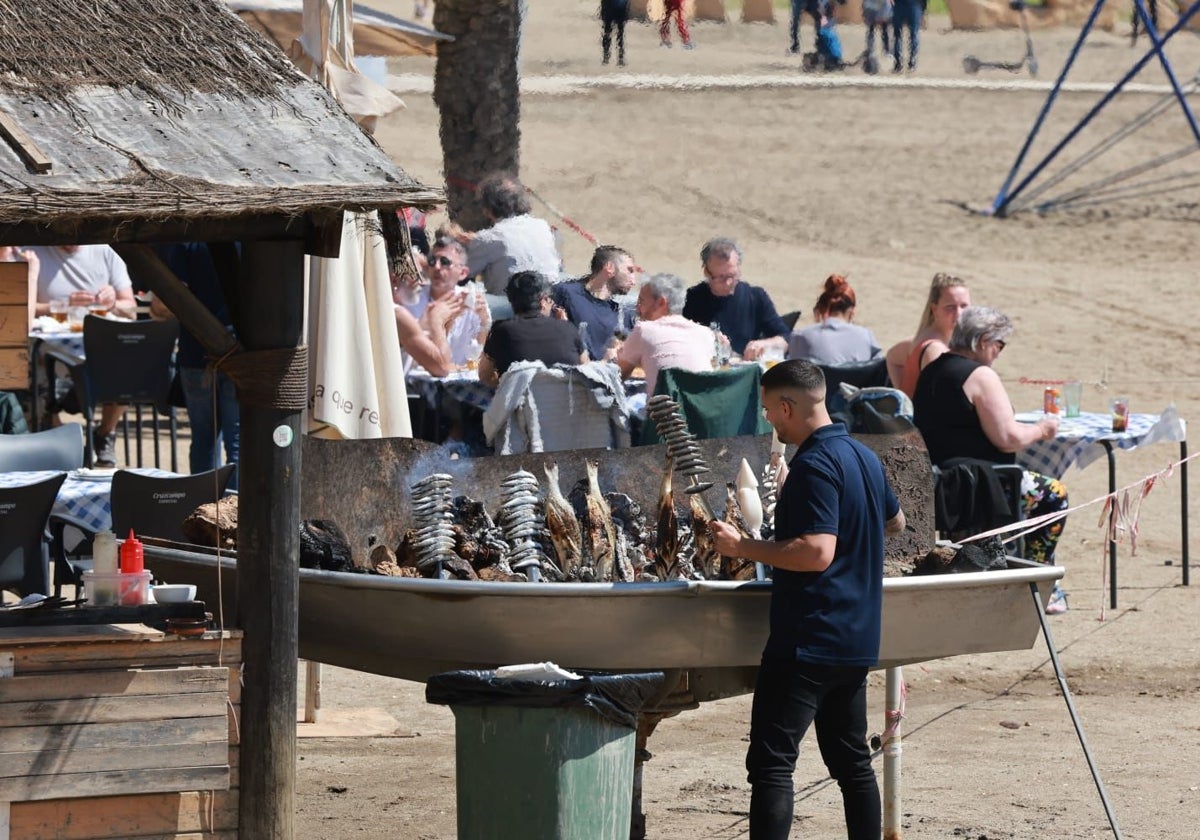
948, 297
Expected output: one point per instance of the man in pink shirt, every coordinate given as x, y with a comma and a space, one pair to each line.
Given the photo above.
662, 337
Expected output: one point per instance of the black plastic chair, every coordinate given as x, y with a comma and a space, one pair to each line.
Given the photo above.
147, 505
956, 516
125, 362
24, 560
54, 449
790, 318
867, 375
156, 507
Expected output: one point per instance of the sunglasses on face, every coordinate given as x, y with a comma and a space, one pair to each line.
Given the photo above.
444, 262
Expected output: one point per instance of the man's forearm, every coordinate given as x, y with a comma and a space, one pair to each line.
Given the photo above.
803, 554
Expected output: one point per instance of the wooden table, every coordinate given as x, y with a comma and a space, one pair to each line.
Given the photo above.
118, 730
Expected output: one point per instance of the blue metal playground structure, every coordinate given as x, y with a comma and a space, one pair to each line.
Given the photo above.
1025, 192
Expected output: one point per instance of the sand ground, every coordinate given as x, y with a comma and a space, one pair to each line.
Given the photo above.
873, 182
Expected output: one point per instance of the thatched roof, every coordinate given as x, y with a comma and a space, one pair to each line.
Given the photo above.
169, 114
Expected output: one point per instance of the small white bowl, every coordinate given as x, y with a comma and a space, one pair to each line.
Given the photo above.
174, 593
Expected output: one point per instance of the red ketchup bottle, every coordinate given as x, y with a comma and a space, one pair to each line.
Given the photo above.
132, 555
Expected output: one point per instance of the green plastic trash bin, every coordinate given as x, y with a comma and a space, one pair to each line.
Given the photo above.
543, 760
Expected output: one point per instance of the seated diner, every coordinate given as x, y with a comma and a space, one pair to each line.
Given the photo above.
531, 334
963, 411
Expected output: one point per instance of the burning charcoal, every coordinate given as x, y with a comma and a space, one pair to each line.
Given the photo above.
383, 561
633, 536
324, 546
471, 515
562, 525
213, 524
495, 573
458, 568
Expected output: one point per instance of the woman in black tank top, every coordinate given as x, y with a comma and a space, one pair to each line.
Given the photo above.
963, 411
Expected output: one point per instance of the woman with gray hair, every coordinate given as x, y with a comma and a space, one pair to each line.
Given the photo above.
963, 412
662, 337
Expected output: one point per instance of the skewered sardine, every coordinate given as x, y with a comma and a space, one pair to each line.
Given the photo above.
705, 552
735, 568
666, 543
597, 527
563, 525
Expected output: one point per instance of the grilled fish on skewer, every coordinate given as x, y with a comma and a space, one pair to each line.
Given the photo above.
519, 518
563, 525
705, 553
735, 568
598, 527
666, 544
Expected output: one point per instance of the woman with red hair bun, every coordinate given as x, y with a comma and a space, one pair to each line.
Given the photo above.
834, 339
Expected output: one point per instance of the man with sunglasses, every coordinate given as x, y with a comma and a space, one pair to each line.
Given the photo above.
826, 601
446, 268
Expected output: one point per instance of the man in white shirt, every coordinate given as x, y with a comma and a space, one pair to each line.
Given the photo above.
516, 240
447, 267
85, 275
662, 337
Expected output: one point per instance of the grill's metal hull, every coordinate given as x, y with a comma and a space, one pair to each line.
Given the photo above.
412, 628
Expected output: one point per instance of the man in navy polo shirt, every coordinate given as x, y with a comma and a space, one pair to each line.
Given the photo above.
589, 300
744, 313
826, 601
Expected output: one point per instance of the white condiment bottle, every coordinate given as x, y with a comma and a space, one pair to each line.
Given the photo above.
104, 553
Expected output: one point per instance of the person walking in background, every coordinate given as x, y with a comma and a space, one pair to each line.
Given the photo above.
613, 15
213, 417
799, 7
906, 14
674, 8
876, 14
826, 603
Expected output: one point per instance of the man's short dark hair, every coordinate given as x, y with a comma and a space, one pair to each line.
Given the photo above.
605, 254
719, 246
525, 291
503, 196
800, 374
449, 243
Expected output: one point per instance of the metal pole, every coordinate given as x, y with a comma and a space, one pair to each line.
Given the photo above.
1112, 523
892, 748
1002, 198
1152, 31
1183, 505
1066, 693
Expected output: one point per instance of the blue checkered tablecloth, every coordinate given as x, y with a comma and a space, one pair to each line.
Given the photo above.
1078, 440
83, 499
461, 385
69, 341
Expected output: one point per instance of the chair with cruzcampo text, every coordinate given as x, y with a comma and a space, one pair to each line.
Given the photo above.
150, 506
715, 403
129, 363
24, 561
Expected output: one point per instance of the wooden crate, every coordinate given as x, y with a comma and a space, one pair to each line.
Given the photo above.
17, 297
118, 731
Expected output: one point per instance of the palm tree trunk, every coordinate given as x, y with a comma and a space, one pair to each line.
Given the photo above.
476, 90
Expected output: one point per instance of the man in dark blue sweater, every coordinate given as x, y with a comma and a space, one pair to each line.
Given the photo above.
826, 603
744, 313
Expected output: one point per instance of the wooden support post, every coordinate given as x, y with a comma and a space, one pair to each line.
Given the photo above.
271, 290
6, 670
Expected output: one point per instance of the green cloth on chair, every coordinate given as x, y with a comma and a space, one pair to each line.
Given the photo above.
715, 404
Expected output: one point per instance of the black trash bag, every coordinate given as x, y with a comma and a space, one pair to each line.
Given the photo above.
615, 697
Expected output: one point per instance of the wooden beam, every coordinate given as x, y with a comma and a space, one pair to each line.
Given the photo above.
100, 230
271, 305
192, 314
23, 145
